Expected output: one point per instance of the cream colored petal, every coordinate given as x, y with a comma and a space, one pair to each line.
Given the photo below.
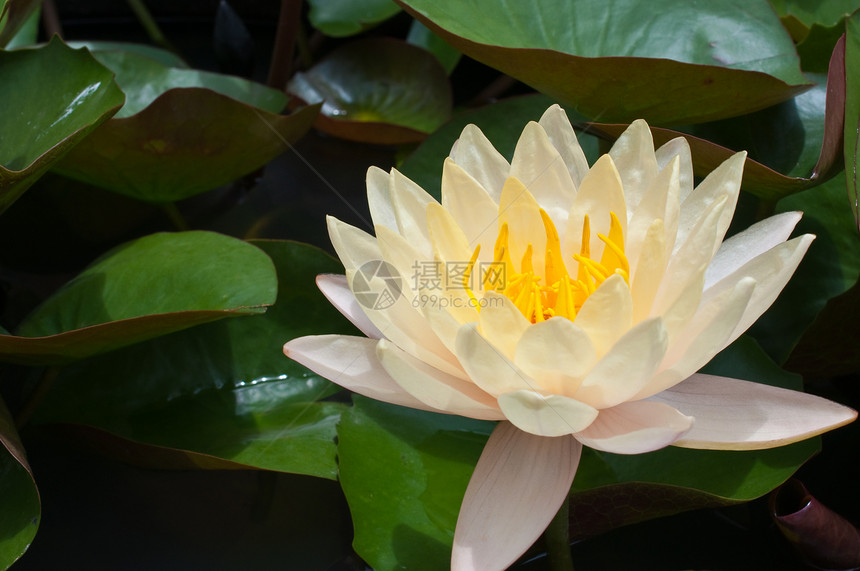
518, 486
601, 191
634, 157
635, 428
487, 366
607, 314
627, 367
471, 206
542, 170
410, 263
474, 152
521, 212
678, 147
449, 242
557, 354
746, 245
546, 415
444, 321
557, 126
502, 324
410, 208
647, 275
435, 388
351, 362
680, 312
379, 198
654, 206
354, 247
336, 290
740, 415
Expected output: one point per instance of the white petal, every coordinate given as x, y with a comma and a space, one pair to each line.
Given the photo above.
635, 427
557, 354
647, 275
678, 314
678, 147
560, 133
654, 206
449, 242
474, 152
487, 366
336, 290
350, 362
354, 247
502, 324
521, 212
607, 314
379, 198
471, 206
410, 208
410, 263
436, 389
546, 415
518, 486
634, 157
740, 415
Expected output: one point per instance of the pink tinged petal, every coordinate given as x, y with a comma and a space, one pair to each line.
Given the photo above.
449, 242
487, 366
557, 126
752, 242
474, 152
354, 247
627, 367
740, 415
521, 212
601, 191
379, 198
410, 206
634, 156
557, 354
351, 362
336, 290
607, 314
436, 389
518, 486
546, 415
635, 427
502, 324
471, 206
542, 170
647, 275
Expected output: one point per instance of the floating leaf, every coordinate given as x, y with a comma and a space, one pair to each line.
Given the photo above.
220, 395
340, 18
667, 61
377, 91
145, 288
162, 56
45, 114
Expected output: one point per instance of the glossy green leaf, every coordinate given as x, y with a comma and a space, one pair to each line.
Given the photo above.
378, 91
14, 14
340, 18
21, 512
151, 286
44, 114
668, 61
809, 12
852, 112
160, 55
421, 36
220, 395
501, 122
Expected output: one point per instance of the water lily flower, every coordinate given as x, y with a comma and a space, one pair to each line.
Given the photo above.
572, 304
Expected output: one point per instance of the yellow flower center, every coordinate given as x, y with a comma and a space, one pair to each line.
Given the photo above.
556, 292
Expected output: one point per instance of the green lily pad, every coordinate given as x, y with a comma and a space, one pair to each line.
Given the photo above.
162, 56
220, 395
667, 61
852, 112
378, 91
149, 287
404, 473
14, 14
339, 18
45, 114
19, 518
823, 12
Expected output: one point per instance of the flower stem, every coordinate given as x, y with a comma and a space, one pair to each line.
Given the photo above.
557, 538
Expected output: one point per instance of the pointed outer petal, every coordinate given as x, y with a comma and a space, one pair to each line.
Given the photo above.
627, 367
607, 314
449, 242
501, 323
681, 311
546, 415
434, 388
379, 198
487, 366
653, 207
519, 209
351, 362
601, 191
724, 181
354, 247
746, 245
336, 289
518, 486
647, 274
410, 208
732, 414
471, 206
706, 335
681, 148
635, 427
542, 169
557, 354
400, 253
474, 152
557, 126
634, 157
